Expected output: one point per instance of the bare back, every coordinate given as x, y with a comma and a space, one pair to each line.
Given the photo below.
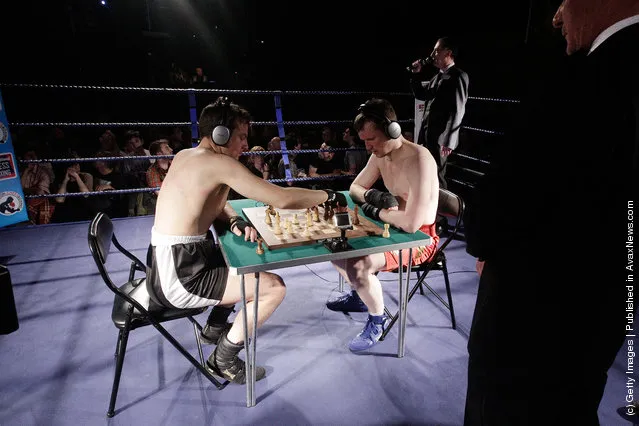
187, 203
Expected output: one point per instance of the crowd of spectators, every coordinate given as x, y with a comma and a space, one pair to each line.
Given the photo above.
106, 175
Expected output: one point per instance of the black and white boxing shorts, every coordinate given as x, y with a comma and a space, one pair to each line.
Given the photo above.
186, 271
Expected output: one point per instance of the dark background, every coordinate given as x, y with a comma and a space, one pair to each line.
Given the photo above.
250, 44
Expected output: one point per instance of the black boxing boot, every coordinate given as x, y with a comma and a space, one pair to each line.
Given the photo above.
225, 363
216, 325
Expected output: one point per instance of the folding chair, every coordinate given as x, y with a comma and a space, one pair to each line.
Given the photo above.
132, 307
450, 206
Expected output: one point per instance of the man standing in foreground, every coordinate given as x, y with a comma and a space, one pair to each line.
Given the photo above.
550, 231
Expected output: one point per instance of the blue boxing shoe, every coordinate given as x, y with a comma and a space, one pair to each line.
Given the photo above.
369, 336
348, 303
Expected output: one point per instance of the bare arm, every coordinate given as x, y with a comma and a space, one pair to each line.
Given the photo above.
230, 172
421, 196
222, 222
62, 189
365, 180
84, 187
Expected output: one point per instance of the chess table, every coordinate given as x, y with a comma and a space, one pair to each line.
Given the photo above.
241, 258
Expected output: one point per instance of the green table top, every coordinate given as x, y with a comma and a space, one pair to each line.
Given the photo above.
241, 257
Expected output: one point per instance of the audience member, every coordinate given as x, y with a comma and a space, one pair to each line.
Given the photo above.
325, 164
273, 160
75, 208
199, 76
107, 179
36, 180
157, 172
355, 160
256, 164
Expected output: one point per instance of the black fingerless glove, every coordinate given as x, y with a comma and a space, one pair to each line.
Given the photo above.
335, 198
380, 199
371, 211
239, 222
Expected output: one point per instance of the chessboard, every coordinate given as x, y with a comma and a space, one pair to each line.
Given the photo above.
293, 226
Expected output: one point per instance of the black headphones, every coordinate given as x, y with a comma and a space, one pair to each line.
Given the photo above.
221, 133
391, 128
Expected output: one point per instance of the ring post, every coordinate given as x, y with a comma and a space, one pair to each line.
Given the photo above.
193, 117
280, 131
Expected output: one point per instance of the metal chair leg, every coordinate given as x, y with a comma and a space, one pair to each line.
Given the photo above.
395, 317
196, 330
421, 287
117, 345
123, 338
450, 297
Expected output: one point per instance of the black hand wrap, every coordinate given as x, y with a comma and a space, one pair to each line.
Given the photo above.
239, 222
371, 211
380, 199
335, 198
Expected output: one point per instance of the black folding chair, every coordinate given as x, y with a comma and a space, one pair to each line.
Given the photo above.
450, 206
132, 307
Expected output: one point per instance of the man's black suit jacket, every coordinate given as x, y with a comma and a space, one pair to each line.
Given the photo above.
445, 95
553, 214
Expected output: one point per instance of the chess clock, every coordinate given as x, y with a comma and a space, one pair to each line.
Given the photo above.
343, 222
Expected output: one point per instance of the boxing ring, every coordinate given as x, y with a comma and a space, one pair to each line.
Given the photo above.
61, 357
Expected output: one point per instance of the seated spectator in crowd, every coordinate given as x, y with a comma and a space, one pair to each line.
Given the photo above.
325, 164
109, 144
157, 172
303, 161
107, 178
354, 161
134, 146
178, 76
135, 170
75, 208
36, 180
177, 141
273, 160
329, 138
199, 76
256, 164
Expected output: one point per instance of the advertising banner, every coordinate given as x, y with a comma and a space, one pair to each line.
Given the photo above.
13, 206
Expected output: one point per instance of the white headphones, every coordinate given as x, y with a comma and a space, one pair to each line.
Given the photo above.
221, 133
391, 128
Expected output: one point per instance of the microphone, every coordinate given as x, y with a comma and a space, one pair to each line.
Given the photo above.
422, 62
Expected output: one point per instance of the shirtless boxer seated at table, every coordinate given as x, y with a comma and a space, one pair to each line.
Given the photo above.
409, 172
186, 268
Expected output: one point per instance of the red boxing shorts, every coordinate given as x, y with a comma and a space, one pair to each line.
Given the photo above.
421, 254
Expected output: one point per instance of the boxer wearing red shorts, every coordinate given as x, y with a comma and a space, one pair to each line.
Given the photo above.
409, 202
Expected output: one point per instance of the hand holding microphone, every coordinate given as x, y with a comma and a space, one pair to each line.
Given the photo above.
416, 66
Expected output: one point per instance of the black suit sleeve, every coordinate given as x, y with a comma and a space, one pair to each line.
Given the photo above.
455, 91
